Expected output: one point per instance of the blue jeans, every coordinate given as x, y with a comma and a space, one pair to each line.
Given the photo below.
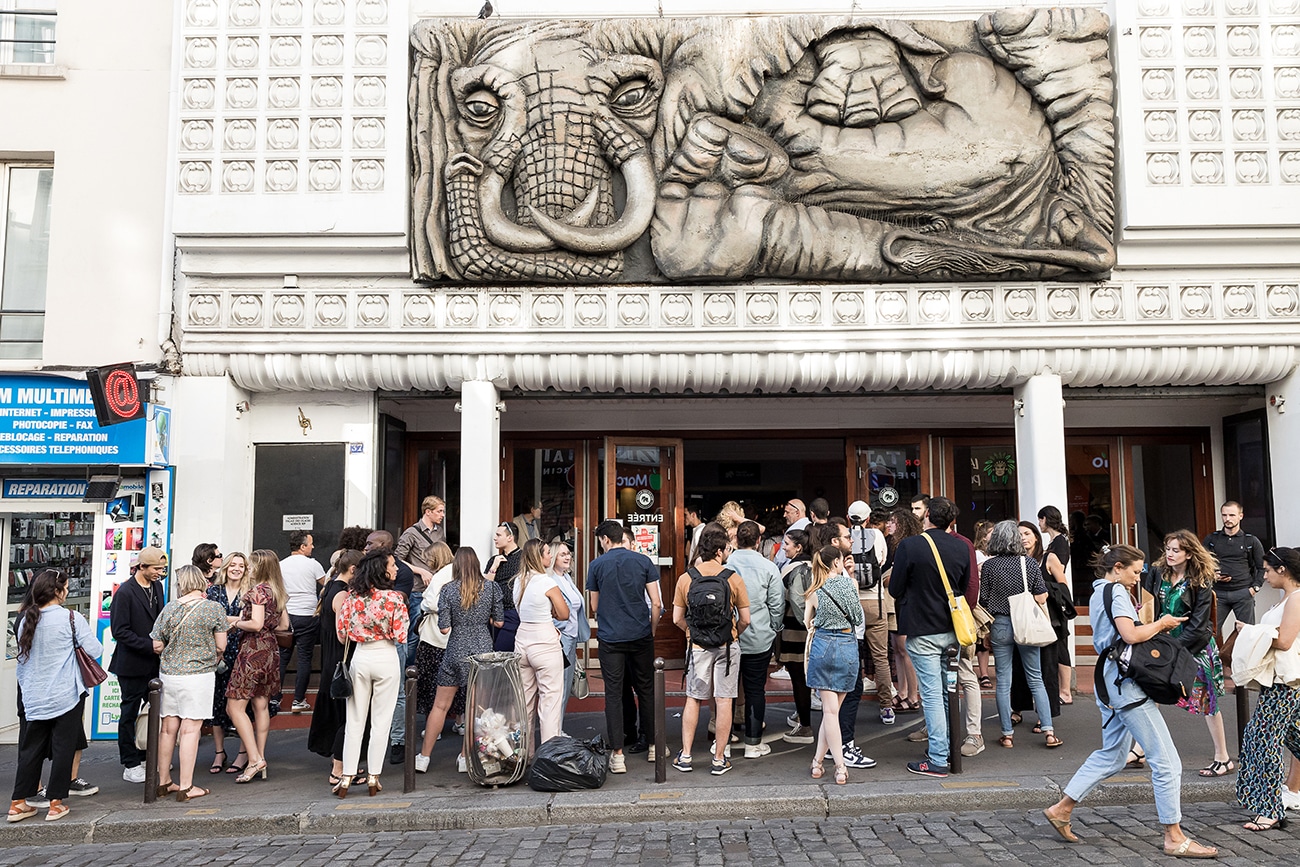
568, 644
1118, 731
398, 733
927, 652
1004, 643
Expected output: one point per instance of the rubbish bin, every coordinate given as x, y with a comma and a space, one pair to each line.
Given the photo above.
497, 732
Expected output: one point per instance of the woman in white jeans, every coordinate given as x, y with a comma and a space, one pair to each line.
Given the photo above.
370, 622
1130, 715
540, 602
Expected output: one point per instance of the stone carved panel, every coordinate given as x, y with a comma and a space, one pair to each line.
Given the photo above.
703, 141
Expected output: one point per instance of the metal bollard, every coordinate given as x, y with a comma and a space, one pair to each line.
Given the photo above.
661, 723
1243, 712
408, 772
151, 749
955, 725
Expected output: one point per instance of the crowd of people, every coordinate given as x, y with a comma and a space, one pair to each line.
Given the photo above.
841, 606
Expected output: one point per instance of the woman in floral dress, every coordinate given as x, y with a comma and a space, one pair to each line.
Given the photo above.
1183, 585
255, 676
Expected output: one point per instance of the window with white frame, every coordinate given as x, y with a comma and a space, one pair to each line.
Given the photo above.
27, 31
25, 191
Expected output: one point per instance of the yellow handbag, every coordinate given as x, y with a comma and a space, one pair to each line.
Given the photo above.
963, 622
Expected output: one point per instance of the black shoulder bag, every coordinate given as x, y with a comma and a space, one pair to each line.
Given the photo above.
1161, 666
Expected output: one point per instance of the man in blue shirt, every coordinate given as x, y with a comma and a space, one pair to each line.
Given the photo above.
619, 581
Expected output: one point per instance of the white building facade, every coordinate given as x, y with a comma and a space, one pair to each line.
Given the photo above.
323, 386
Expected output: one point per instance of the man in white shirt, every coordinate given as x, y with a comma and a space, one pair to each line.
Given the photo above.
796, 518
303, 577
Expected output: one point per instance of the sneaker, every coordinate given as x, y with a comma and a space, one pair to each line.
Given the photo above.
458, 728
799, 735
713, 749
81, 788
133, 775
887, 716
1290, 799
854, 758
780, 674
41, 799
650, 754
617, 764
919, 736
816, 700
461, 766
869, 686
756, 751
927, 769
299, 707
421, 763
793, 720
682, 763
973, 745
397, 754
718, 767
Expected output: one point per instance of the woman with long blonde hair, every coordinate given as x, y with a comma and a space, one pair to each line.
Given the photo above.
1182, 582
256, 673
832, 612
228, 590
540, 602
575, 630
901, 524
467, 607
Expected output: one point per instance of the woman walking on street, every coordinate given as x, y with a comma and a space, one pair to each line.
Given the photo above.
227, 590
1004, 574
373, 618
256, 673
329, 715
797, 576
1276, 720
53, 690
189, 637
1182, 583
1130, 715
541, 666
467, 607
832, 613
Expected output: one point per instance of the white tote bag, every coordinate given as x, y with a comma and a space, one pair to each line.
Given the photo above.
1029, 621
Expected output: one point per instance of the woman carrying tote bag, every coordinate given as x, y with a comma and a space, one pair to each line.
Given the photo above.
1006, 574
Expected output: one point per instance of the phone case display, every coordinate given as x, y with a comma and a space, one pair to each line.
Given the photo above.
123, 537
49, 540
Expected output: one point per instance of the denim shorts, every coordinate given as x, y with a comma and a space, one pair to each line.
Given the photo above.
833, 661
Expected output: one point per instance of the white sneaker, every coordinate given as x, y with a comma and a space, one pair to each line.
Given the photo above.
650, 754
461, 767
421, 763
617, 764
1290, 799
869, 686
816, 700
713, 749
780, 674
133, 775
756, 751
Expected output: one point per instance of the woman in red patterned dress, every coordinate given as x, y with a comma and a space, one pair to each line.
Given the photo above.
256, 673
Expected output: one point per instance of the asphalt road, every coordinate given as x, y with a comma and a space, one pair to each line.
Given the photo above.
1111, 835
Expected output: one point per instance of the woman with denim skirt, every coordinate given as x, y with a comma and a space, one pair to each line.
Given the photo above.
832, 613
1130, 715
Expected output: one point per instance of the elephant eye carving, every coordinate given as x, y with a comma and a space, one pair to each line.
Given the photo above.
631, 97
481, 107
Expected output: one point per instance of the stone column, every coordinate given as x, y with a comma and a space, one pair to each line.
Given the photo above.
1282, 408
1039, 412
480, 465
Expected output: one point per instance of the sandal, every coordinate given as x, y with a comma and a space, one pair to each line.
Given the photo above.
20, 810
235, 767
1218, 769
188, 794
165, 789
1053, 741
841, 775
1038, 728
1260, 823
1184, 850
1062, 828
335, 779
818, 771
1135, 759
908, 705
986, 682
57, 811
1016, 718
218, 766
1006, 741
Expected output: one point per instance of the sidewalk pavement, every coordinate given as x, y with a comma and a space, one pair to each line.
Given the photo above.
296, 798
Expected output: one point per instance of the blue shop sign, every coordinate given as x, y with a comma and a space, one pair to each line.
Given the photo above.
51, 420
44, 489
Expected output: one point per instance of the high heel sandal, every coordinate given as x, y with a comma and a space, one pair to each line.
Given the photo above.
817, 770
341, 787
235, 767
218, 766
841, 775
373, 782
250, 773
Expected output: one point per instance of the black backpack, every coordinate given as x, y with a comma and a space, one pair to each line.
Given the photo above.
1161, 666
868, 567
708, 608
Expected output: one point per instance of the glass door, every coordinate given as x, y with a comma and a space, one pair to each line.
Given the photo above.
888, 475
552, 475
1167, 487
983, 481
643, 490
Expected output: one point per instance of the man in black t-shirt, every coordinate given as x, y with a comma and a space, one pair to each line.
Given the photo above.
1241, 565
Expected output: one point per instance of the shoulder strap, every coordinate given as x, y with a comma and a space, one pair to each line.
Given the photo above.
943, 573
1024, 572
1108, 597
72, 621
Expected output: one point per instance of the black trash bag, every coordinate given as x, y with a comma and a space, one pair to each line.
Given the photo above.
565, 764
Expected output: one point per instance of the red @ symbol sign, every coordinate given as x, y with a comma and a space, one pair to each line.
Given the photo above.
121, 393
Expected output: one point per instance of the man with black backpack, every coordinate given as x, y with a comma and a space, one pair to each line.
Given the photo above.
711, 606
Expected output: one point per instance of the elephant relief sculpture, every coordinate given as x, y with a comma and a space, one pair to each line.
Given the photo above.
804, 148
